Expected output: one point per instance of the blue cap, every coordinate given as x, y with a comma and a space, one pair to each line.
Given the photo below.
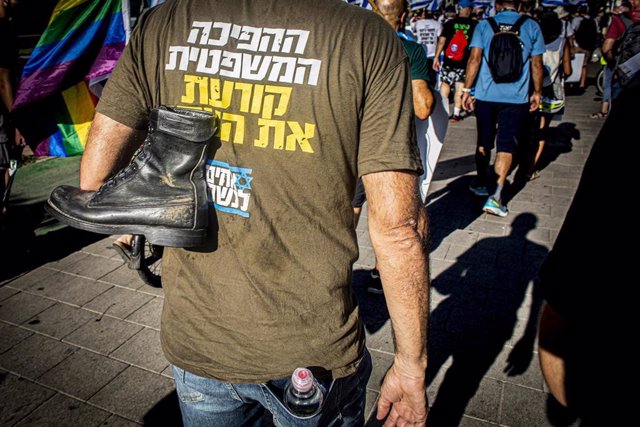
465, 3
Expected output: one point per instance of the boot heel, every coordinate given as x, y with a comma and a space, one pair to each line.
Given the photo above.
176, 238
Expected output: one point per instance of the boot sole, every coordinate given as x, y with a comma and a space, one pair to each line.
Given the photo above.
157, 235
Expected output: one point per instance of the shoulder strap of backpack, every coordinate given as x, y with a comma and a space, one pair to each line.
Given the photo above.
493, 24
626, 20
518, 24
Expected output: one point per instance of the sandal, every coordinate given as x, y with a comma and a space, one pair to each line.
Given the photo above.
534, 175
599, 115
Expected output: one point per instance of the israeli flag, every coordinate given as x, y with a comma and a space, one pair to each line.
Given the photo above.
154, 3
426, 4
361, 3
489, 7
553, 3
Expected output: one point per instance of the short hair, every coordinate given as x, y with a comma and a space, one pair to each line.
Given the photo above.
392, 7
516, 3
550, 26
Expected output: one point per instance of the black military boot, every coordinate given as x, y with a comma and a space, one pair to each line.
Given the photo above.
160, 194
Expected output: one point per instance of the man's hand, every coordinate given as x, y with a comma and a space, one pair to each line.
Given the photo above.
534, 102
467, 101
19, 139
436, 63
403, 397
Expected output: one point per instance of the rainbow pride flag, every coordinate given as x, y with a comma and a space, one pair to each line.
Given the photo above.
61, 82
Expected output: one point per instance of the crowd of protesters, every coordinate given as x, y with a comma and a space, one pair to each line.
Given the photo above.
515, 117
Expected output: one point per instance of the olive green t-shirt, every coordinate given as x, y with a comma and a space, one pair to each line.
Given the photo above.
309, 95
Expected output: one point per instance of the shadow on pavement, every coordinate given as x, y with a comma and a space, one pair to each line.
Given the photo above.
484, 290
558, 140
23, 249
165, 413
451, 208
453, 168
373, 308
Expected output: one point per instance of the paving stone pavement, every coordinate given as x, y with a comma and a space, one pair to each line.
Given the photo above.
79, 333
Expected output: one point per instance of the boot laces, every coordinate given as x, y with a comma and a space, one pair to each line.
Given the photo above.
127, 171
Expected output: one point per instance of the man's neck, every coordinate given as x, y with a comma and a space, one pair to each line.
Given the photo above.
505, 7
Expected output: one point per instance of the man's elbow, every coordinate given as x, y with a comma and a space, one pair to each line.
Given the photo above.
402, 234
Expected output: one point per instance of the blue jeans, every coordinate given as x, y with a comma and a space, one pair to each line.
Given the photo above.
606, 90
209, 402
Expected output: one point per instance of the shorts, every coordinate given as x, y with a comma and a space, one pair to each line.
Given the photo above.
502, 124
360, 196
452, 75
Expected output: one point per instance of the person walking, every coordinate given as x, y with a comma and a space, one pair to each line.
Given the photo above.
454, 43
322, 90
502, 102
9, 135
578, 321
557, 64
617, 29
427, 29
394, 12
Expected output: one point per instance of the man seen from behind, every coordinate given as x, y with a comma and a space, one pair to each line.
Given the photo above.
308, 98
454, 43
502, 108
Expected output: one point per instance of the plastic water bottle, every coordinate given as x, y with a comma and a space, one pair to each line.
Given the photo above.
302, 394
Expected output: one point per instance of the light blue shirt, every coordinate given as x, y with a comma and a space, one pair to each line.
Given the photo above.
533, 44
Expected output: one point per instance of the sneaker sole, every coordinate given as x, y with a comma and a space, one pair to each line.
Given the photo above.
161, 236
496, 212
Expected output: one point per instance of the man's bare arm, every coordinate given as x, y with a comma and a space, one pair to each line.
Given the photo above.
422, 99
473, 66
607, 49
439, 49
398, 229
109, 148
537, 75
6, 97
6, 91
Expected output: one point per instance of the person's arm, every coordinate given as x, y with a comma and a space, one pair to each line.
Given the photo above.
566, 60
398, 229
537, 75
552, 342
422, 99
6, 96
109, 148
615, 31
473, 66
6, 92
607, 49
439, 48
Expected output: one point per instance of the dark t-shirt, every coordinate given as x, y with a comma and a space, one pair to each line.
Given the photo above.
618, 27
451, 27
309, 98
8, 52
590, 277
417, 60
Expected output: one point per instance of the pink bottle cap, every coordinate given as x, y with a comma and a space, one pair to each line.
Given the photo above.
302, 380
